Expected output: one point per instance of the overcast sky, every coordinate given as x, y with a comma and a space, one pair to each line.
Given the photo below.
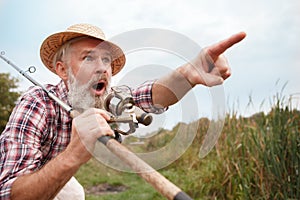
261, 64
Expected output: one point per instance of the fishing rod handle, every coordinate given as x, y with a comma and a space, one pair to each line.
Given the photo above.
144, 170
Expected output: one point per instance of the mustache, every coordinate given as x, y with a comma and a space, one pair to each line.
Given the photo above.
80, 97
95, 79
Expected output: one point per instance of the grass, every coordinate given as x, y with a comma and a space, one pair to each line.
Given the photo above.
94, 173
255, 158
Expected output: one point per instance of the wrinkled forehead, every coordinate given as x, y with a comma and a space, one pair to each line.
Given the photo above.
89, 44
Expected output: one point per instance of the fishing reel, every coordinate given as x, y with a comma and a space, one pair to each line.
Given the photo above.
121, 105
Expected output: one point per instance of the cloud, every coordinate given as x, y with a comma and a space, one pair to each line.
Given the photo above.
270, 51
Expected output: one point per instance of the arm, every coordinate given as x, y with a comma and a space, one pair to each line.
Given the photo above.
47, 182
209, 68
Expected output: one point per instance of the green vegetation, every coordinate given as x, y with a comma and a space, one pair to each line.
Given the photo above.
8, 97
255, 158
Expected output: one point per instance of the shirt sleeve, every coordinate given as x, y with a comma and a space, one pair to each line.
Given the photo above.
20, 142
142, 97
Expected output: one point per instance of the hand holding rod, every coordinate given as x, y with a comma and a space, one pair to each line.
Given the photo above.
159, 182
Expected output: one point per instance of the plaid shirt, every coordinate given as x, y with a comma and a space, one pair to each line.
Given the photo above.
39, 129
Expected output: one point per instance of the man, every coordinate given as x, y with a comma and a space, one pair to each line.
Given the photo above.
42, 147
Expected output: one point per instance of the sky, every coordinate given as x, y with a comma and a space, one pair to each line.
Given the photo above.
262, 65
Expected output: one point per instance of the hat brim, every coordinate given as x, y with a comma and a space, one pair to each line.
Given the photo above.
52, 44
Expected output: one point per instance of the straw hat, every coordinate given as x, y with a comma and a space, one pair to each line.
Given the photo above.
51, 44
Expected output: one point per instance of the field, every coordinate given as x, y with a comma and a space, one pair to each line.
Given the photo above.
255, 158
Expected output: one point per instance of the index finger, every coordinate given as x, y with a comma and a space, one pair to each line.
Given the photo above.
217, 49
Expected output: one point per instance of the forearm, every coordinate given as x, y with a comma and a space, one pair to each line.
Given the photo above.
169, 89
47, 182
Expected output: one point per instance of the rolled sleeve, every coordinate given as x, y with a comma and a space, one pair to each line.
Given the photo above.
16, 160
142, 96
6, 189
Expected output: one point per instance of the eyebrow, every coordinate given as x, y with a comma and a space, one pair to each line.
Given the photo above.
92, 52
107, 53
85, 52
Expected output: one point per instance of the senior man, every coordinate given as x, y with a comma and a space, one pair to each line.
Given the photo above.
42, 147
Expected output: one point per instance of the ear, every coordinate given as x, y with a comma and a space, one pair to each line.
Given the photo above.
61, 70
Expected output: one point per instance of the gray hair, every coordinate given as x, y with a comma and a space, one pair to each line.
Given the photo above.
61, 53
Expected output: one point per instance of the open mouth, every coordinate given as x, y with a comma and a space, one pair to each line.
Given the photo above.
99, 88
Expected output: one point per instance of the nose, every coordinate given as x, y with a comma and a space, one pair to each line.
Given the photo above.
101, 67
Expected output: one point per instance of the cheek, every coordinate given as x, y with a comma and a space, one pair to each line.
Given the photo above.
82, 74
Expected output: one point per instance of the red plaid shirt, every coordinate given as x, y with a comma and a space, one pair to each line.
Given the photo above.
39, 129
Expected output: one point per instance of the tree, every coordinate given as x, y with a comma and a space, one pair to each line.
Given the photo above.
8, 97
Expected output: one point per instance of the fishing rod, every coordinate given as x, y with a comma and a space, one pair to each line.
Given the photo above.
121, 105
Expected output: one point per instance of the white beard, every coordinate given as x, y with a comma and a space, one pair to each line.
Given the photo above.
80, 97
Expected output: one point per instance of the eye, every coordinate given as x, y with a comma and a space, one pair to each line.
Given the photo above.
88, 58
106, 60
